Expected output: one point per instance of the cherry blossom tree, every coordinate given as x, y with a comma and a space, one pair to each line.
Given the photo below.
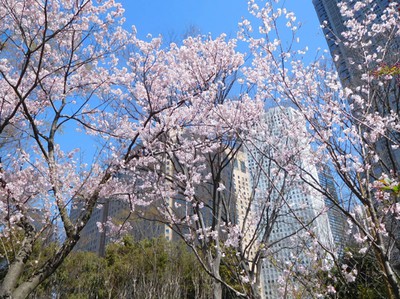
64, 68
194, 154
54, 64
169, 127
353, 127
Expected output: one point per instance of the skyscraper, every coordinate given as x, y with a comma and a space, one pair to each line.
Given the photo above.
291, 213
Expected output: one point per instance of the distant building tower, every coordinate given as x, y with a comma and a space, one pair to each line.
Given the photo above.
292, 214
93, 236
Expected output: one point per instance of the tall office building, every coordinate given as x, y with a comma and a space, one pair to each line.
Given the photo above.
292, 214
95, 236
227, 167
109, 213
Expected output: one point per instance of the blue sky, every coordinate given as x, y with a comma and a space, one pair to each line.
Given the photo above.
173, 17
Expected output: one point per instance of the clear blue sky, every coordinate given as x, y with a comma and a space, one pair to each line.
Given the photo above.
168, 17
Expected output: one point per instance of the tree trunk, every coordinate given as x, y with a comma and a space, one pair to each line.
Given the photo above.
217, 290
215, 263
392, 283
16, 268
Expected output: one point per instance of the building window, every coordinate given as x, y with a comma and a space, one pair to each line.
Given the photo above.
243, 166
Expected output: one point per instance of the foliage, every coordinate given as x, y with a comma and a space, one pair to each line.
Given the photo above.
151, 268
368, 283
387, 70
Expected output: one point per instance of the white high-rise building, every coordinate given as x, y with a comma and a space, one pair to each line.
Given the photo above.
292, 214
